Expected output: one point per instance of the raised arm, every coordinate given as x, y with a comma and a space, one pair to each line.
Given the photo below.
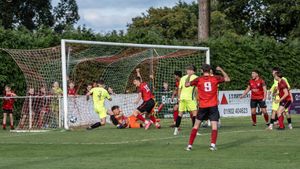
224, 74
138, 73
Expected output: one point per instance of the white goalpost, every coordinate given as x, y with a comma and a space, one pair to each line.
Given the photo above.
166, 52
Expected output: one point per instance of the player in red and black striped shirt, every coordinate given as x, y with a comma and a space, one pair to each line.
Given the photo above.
148, 102
207, 86
7, 106
285, 98
258, 89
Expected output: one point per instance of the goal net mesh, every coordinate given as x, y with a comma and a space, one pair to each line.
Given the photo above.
86, 64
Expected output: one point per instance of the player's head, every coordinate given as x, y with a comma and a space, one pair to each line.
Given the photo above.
116, 110
31, 91
254, 74
43, 89
191, 69
206, 68
7, 88
100, 82
137, 81
177, 74
89, 87
56, 85
275, 69
278, 75
94, 84
165, 85
71, 85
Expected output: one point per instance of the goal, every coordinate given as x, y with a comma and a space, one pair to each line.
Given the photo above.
116, 64
84, 62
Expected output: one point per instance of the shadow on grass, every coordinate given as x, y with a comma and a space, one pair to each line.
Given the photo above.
238, 142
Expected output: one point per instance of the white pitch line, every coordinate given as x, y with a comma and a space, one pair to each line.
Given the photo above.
121, 142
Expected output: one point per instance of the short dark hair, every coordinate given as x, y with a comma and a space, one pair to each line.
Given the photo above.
279, 74
101, 82
191, 67
206, 68
138, 78
277, 69
178, 73
114, 107
7, 86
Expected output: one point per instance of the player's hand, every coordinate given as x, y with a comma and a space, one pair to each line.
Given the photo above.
219, 68
242, 96
136, 102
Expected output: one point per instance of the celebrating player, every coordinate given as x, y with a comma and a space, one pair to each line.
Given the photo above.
177, 75
258, 96
148, 103
8, 105
99, 96
208, 102
187, 101
285, 99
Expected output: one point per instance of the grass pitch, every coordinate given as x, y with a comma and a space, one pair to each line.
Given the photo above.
240, 146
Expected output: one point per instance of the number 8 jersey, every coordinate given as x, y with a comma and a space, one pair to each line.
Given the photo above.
207, 90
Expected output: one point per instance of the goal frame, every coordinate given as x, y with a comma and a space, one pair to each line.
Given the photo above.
64, 61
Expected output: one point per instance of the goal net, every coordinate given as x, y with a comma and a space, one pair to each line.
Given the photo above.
85, 62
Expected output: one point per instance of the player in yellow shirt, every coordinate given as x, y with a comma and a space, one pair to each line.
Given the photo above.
99, 95
275, 104
186, 97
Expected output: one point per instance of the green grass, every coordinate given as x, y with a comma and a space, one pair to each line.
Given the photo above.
239, 146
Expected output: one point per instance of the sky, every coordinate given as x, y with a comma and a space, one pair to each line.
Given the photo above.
103, 16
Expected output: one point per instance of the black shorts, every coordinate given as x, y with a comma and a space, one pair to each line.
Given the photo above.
146, 106
286, 104
7, 111
211, 113
255, 103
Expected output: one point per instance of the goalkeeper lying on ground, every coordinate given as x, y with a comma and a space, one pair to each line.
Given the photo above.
121, 121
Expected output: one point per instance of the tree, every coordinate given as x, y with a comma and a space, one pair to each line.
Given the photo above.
28, 13
264, 17
178, 22
203, 20
66, 14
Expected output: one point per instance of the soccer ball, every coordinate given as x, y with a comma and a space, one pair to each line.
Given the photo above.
73, 119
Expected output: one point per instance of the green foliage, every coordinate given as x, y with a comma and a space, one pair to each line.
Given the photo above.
28, 13
239, 55
266, 17
65, 13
